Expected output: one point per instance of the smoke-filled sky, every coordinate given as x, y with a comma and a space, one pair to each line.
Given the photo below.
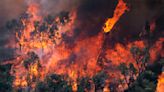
13, 8
139, 9
90, 13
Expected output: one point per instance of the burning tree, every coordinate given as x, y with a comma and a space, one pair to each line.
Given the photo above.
34, 34
51, 57
141, 76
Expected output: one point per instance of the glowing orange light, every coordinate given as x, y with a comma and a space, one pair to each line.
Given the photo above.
160, 85
118, 12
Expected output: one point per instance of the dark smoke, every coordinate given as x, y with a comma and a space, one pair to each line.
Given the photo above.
91, 15
133, 22
10, 9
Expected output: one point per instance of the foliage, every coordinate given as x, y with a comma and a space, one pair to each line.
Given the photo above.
147, 80
99, 80
5, 78
84, 84
141, 57
32, 58
128, 71
54, 83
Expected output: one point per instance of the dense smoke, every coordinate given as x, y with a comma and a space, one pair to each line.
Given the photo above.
88, 10
11, 9
91, 15
42, 37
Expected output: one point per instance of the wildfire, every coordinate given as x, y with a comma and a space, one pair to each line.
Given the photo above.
122, 53
118, 12
43, 50
36, 34
74, 87
106, 88
160, 85
20, 82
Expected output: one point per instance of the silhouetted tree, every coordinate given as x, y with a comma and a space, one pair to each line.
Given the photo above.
56, 83
147, 80
99, 80
84, 84
141, 57
5, 78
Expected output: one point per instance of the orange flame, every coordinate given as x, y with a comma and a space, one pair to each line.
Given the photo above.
74, 87
106, 88
55, 58
119, 11
160, 85
121, 53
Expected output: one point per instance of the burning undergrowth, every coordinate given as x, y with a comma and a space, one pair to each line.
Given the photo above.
53, 55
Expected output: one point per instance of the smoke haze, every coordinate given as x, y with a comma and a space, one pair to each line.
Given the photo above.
91, 15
